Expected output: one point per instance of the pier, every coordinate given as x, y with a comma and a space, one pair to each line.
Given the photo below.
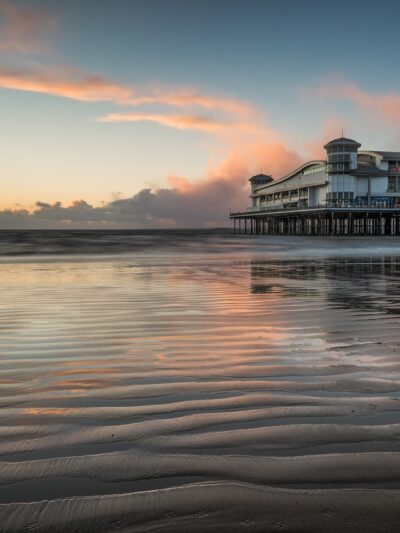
351, 192
318, 221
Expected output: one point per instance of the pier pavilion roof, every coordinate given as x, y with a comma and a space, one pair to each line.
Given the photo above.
342, 141
260, 177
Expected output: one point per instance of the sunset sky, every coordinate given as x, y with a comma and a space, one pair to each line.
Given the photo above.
154, 113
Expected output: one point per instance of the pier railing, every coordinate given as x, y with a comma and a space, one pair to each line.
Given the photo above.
287, 208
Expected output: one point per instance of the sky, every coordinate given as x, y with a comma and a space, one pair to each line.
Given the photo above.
154, 113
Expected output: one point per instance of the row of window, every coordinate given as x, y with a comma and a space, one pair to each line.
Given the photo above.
339, 196
339, 158
313, 170
284, 194
362, 203
341, 148
330, 196
333, 168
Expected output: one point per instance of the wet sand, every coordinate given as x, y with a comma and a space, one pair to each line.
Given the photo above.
201, 392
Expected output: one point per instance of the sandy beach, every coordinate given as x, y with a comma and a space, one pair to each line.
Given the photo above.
215, 384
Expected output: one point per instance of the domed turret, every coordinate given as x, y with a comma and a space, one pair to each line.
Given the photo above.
341, 155
258, 180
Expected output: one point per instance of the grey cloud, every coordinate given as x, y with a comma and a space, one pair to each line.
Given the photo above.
206, 204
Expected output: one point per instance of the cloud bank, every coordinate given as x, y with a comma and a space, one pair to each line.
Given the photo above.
205, 203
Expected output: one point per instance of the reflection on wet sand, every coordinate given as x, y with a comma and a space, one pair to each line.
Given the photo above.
229, 394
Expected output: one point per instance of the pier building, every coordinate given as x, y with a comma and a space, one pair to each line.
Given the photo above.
351, 192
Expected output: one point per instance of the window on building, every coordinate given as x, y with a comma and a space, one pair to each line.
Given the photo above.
394, 184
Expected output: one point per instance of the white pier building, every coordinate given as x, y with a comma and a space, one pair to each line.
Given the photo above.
353, 191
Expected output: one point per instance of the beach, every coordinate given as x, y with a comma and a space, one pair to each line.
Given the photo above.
199, 381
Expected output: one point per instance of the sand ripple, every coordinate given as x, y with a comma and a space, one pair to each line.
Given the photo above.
203, 394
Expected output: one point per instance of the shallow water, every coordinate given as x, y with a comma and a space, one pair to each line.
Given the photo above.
199, 381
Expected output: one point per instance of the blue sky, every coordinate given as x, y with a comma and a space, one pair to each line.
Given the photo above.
303, 68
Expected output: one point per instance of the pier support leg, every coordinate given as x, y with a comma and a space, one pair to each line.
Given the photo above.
388, 225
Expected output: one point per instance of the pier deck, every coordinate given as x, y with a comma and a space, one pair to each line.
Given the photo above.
318, 221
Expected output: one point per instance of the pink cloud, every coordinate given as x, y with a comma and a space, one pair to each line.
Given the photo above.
271, 156
384, 105
186, 97
182, 122
24, 29
227, 130
225, 185
235, 117
65, 83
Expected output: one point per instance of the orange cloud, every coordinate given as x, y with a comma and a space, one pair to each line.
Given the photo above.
188, 97
242, 161
386, 105
237, 117
66, 83
182, 122
24, 29
226, 185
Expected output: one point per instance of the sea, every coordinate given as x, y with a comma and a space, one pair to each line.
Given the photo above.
199, 381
